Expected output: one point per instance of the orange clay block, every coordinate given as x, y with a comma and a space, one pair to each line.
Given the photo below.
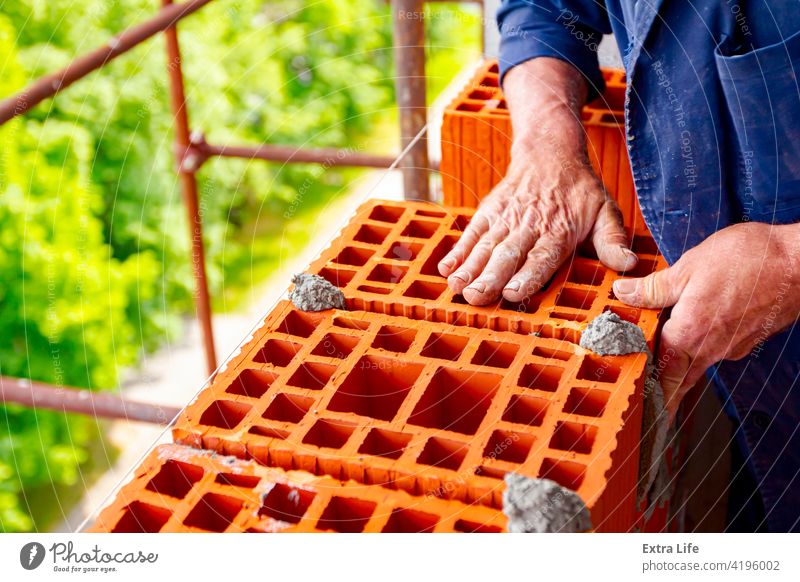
476, 142
180, 489
416, 390
386, 262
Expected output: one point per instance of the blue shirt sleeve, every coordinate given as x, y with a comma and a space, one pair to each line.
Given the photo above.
566, 30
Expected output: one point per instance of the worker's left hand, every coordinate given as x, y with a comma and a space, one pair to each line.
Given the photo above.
730, 293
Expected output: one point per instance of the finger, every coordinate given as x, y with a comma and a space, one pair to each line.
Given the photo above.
542, 262
693, 375
657, 290
674, 362
477, 227
611, 241
685, 351
695, 332
505, 260
477, 259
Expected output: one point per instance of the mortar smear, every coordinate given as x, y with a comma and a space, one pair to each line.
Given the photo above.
313, 293
610, 335
655, 430
543, 506
662, 488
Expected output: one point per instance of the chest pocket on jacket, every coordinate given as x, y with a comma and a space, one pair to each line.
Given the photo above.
762, 94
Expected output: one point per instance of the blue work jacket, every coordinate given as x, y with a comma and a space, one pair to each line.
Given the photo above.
712, 116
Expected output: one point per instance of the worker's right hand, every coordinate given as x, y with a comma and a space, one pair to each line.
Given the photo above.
549, 202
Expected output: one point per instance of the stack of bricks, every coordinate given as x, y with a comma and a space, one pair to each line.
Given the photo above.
476, 143
411, 398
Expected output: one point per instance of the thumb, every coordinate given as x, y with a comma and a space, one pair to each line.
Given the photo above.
657, 290
610, 240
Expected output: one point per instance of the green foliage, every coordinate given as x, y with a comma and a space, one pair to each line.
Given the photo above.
64, 300
93, 239
453, 38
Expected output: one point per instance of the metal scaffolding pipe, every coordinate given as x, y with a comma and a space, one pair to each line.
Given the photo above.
49, 85
409, 53
188, 182
328, 157
99, 404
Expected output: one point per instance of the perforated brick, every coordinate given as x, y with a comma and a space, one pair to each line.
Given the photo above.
448, 422
476, 142
401, 278
180, 489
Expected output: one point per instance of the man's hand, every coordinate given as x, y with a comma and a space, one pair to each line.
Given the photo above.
730, 293
549, 201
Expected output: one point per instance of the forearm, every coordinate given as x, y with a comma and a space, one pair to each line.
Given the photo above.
545, 97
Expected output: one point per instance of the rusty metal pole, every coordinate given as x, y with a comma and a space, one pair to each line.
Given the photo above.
85, 64
97, 404
186, 168
409, 56
330, 157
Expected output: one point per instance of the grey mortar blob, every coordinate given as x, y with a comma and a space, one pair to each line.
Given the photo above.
543, 506
610, 335
313, 293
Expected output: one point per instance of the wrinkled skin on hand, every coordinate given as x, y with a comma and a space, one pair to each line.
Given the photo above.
528, 226
549, 202
730, 293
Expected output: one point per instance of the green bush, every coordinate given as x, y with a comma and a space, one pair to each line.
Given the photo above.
64, 299
94, 249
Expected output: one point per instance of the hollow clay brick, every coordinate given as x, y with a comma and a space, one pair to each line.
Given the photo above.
451, 422
405, 242
476, 142
180, 489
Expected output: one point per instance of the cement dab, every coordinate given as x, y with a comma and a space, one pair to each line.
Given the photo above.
543, 506
610, 335
313, 293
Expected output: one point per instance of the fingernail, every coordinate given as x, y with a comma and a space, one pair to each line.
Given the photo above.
513, 286
462, 275
448, 263
477, 287
624, 286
